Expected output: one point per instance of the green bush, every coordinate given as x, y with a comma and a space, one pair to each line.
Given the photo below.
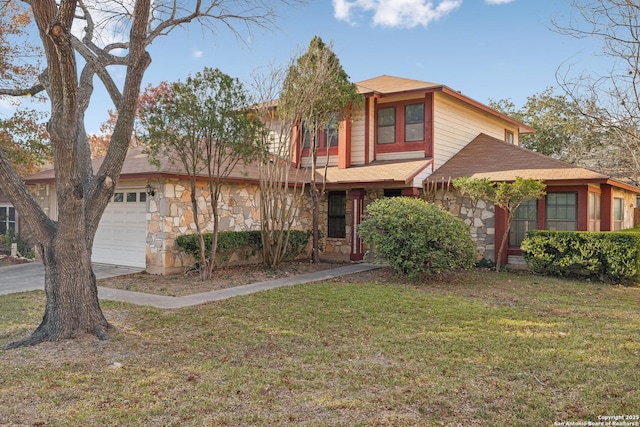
416, 237
24, 246
230, 241
609, 257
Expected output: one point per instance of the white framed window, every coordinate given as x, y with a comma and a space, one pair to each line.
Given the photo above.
7, 219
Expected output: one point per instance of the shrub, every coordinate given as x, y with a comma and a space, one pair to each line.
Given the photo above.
610, 257
416, 237
230, 241
24, 246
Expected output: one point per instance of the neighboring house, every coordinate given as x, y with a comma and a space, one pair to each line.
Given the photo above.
407, 131
9, 221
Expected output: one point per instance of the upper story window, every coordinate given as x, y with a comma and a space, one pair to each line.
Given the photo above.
401, 123
387, 125
326, 136
509, 137
414, 122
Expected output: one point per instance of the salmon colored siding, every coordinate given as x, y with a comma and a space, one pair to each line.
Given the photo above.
344, 144
606, 208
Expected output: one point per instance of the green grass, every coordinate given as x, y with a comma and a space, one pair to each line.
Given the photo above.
474, 349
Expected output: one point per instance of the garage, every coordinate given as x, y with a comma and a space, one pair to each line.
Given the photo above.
122, 232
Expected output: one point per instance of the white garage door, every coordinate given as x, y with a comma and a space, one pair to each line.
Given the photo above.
122, 233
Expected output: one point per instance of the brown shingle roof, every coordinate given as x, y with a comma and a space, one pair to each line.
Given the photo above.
488, 157
398, 172
389, 84
136, 164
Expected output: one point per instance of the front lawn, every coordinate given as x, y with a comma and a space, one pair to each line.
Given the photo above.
472, 349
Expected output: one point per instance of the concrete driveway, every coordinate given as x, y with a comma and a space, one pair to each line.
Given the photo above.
30, 276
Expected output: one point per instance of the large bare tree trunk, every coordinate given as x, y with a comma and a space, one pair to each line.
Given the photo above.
72, 308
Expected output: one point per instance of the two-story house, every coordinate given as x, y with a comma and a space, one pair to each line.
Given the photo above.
408, 132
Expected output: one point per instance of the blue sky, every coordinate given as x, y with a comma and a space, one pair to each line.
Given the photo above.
486, 49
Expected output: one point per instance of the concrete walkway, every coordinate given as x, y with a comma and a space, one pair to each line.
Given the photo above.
27, 277
161, 301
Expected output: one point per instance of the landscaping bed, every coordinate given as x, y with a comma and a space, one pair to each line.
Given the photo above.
223, 277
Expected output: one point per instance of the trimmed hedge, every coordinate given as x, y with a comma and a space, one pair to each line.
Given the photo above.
609, 257
230, 241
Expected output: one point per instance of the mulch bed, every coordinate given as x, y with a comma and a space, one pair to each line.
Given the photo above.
6, 260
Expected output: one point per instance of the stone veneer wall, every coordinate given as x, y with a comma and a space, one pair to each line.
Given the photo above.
334, 247
170, 215
481, 220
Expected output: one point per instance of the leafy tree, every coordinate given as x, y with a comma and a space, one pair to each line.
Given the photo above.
75, 51
23, 137
317, 95
204, 125
24, 141
99, 143
17, 52
475, 189
562, 131
416, 237
507, 195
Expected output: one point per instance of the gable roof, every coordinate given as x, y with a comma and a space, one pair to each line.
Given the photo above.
390, 85
488, 157
386, 84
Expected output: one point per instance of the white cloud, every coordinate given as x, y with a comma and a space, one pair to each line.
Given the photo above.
197, 54
111, 19
498, 1
397, 13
